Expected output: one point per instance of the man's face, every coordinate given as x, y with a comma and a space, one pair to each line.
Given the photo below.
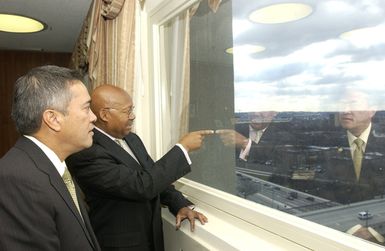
356, 114
260, 120
121, 116
78, 122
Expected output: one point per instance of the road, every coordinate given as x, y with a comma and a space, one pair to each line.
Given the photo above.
322, 211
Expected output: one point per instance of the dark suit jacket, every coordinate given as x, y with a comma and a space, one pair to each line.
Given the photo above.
275, 135
123, 195
336, 180
343, 186
36, 209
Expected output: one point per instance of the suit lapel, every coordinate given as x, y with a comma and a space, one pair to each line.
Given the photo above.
138, 149
372, 164
86, 221
342, 167
43, 163
117, 151
371, 146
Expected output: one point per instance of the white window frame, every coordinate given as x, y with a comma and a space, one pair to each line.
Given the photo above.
261, 225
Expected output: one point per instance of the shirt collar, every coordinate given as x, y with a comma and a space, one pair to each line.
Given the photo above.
364, 135
251, 129
59, 165
100, 130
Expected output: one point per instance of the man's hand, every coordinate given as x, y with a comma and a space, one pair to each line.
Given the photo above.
230, 137
193, 140
191, 215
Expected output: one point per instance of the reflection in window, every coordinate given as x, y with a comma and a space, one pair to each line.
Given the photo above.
298, 107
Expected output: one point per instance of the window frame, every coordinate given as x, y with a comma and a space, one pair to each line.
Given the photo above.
239, 211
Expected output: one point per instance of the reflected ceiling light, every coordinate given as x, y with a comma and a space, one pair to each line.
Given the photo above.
365, 37
245, 49
281, 13
19, 24
359, 33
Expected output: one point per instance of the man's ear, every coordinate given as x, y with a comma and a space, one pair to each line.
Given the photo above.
53, 119
104, 115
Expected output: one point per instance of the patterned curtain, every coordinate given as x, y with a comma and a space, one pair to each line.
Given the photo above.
105, 48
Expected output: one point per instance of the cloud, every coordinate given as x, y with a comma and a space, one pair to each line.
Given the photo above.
306, 63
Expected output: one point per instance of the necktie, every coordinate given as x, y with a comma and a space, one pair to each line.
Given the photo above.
357, 157
124, 145
71, 187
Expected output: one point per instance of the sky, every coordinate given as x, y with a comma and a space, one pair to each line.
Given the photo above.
307, 64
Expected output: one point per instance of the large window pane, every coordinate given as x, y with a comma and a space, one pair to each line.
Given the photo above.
288, 94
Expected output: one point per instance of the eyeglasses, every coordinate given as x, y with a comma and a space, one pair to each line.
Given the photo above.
128, 112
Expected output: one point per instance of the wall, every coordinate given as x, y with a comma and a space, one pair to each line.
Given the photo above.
13, 64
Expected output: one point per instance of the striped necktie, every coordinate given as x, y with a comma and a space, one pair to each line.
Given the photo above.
71, 187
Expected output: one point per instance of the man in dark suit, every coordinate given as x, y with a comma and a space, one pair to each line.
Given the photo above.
38, 210
124, 187
350, 173
356, 164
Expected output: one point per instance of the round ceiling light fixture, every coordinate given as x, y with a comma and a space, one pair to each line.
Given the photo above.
20, 24
281, 13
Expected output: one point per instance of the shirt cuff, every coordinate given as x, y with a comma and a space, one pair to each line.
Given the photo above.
245, 153
185, 153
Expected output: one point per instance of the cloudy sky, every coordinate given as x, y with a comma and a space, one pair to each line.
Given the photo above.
307, 64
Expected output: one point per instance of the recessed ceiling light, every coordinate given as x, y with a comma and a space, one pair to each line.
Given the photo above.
19, 24
359, 33
245, 49
281, 13
365, 37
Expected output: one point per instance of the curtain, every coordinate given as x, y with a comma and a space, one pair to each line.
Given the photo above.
177, 59
106, 51
109, 44
214, 5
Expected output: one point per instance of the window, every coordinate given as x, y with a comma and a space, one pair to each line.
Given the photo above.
288, 96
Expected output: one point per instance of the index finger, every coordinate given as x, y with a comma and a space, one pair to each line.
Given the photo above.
223, 131
205, 132
192, 223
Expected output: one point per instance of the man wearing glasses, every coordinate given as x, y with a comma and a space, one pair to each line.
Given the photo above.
124, 187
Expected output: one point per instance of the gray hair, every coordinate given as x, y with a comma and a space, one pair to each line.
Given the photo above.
42, 88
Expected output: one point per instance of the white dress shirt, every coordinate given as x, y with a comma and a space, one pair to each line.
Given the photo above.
254, 136
133, 155
364, 136
59, 165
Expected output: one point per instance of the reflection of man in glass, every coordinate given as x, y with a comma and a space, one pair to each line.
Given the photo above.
356, 117
356, 170
247, 133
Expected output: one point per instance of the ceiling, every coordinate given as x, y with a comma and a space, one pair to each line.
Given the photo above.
64, 19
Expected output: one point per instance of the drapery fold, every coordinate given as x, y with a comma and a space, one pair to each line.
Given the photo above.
111, 8
106, 51
175, 63
180, 81
214, 5
110, 44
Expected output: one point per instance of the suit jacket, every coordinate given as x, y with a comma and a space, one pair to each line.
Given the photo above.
335, 179
124, 196
342, 185
275, 135
36, 209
